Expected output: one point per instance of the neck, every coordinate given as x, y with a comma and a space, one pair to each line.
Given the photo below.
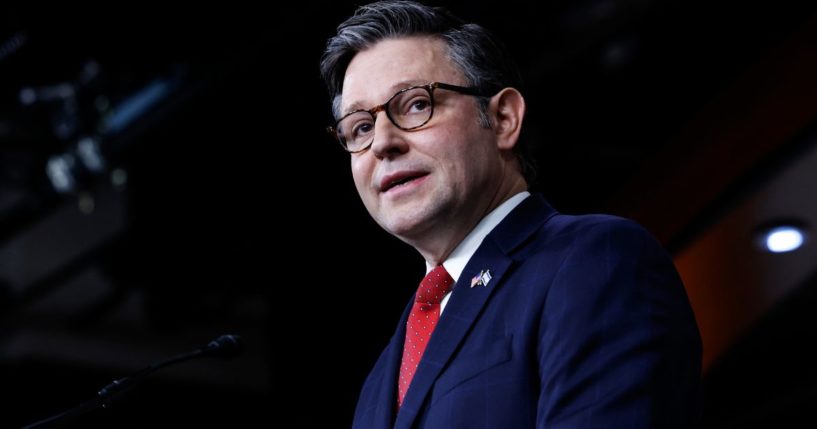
437, 246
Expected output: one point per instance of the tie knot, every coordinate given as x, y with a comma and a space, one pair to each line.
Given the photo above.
434, 286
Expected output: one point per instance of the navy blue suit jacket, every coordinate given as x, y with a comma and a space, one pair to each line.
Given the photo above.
584, 324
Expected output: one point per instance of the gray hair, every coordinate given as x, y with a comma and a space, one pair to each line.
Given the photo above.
481, 58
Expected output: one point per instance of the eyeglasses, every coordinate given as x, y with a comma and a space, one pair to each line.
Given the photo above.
408, 109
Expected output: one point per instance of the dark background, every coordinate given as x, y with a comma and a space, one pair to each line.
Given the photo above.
239, 215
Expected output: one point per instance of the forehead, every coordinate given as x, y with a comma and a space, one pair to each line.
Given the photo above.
376, 73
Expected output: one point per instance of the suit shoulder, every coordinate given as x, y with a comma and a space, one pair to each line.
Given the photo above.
590, 228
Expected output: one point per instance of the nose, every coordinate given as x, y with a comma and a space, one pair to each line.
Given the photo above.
389, 141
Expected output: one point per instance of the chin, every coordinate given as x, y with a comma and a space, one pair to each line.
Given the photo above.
399, 228
410, 218
404, 227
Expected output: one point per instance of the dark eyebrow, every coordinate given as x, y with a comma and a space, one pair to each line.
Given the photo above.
403, 84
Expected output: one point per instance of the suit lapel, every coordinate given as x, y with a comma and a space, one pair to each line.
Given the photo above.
466, 302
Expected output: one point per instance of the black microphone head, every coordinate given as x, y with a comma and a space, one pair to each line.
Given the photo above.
225, 346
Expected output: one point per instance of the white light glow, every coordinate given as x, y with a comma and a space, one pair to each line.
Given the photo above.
784, 239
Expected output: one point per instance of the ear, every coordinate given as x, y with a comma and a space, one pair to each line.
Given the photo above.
507, 111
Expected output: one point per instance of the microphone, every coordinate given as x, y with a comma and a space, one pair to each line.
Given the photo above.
225, 347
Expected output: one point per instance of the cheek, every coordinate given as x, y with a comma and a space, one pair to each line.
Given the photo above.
361, 174
460, 154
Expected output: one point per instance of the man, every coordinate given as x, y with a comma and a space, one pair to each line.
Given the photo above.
527, 318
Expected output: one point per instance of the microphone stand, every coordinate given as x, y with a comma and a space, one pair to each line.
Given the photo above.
225, 346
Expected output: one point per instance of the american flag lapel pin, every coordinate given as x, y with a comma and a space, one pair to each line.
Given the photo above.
481, 279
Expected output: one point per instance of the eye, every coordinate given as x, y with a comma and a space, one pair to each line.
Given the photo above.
411, 102
419, 104
361, 128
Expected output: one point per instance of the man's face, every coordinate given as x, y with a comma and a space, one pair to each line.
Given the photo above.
441, 175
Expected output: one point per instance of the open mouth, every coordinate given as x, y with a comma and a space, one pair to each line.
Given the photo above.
402, 181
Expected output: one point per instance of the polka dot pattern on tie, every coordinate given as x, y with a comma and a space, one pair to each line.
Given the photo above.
421, 323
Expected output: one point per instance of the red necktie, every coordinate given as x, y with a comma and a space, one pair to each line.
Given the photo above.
421, 322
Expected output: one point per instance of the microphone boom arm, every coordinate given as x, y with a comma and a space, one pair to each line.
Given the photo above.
225, 346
